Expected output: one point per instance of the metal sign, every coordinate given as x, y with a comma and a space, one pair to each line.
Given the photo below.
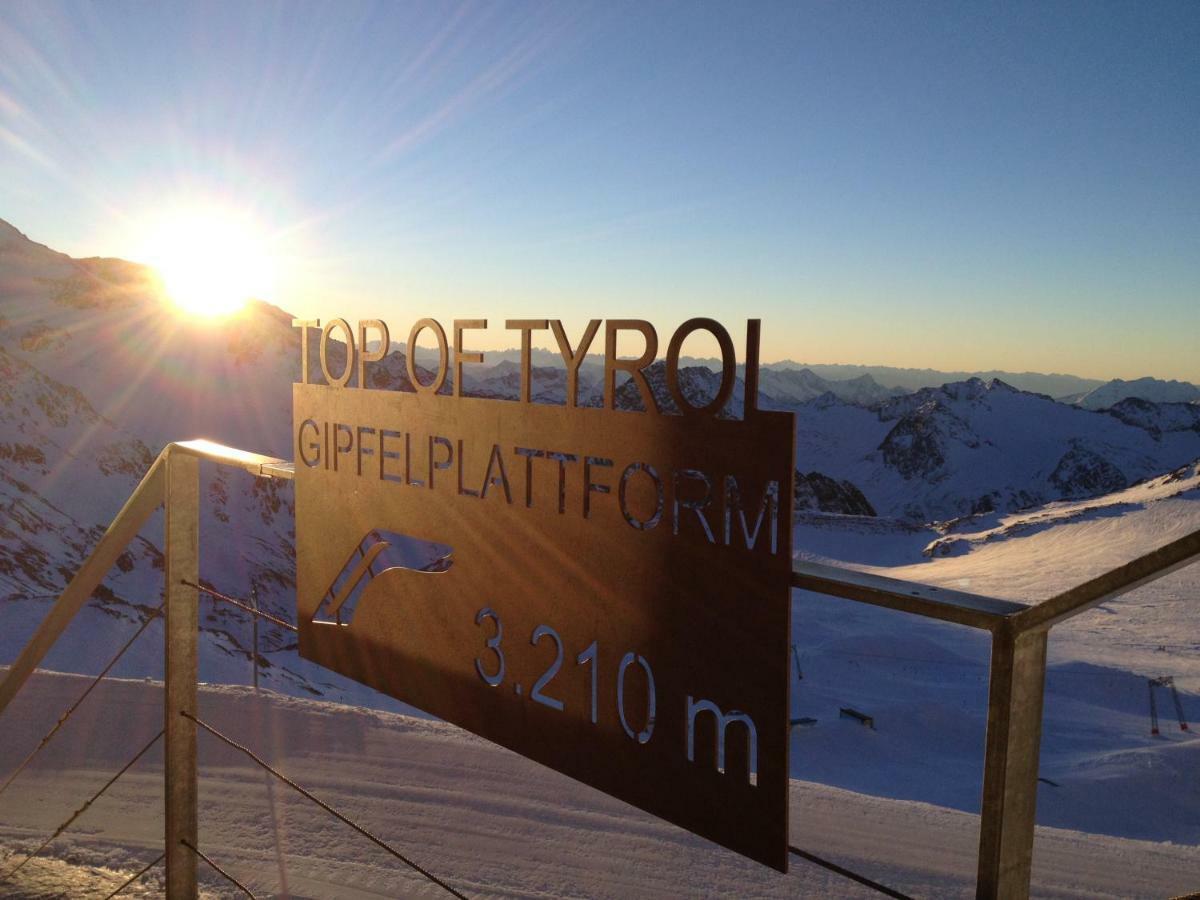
603, 591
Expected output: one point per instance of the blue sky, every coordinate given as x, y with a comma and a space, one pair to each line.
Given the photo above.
960, 186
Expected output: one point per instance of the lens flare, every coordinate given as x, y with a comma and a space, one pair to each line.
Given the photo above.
211, 260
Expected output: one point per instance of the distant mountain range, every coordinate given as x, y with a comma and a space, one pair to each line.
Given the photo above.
1152, 389
973, 447
868, 384
1052, 385
97, 374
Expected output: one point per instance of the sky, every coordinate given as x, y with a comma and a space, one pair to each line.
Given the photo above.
959, 186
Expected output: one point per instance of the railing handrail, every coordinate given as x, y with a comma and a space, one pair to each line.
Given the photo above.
147, 497
993, 613
947, 604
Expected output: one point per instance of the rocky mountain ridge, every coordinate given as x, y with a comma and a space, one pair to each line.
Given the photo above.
976, 446
1153, 390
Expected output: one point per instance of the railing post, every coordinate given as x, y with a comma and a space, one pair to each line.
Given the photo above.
181, 671
1014, 734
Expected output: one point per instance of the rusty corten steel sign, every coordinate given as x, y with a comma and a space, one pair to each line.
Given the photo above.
607, 593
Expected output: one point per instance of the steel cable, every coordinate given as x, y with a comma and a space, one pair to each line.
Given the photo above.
241, 887
240, 605
325, 806
79, 812
161, 857
62, 720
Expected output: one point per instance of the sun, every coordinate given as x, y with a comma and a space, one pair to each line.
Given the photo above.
211, 260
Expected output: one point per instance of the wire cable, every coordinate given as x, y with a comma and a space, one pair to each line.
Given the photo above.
62, 720
241, 887
846, 873
240, 605
79, 812
161, 857
325, 806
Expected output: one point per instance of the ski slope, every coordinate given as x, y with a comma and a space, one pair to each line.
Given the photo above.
898, 803
926, 682
490, 822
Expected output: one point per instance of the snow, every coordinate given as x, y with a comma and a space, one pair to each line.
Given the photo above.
490, 822
900, 803
1152, 389
925, 682
949, 451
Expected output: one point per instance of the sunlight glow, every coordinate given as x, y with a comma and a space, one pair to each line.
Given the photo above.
211, 260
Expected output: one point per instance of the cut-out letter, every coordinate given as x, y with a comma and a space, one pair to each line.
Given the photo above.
365, 356
633, 366
344, 378
721, 722
631, 470
697, 506
443, 356
445, 463
574, 358
304, 325
768, 507
526, 327
728, 367
313, 445
589, 487
461, 356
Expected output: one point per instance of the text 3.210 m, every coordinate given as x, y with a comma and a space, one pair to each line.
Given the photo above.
491, 665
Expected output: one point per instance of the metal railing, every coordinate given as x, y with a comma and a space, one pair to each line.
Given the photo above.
1016, 689
1017, 670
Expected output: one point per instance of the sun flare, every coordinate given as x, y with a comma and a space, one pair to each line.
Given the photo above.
211, 260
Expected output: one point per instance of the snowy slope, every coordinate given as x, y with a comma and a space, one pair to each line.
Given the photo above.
926, 682
973, 446
490, 822
1153, 389
799, 385
98, 374
78, 428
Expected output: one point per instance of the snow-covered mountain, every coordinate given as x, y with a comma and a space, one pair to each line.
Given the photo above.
972, 446
1152, 389
1115, 805
1106, 772
548, 384
815, 492
798, 385
893, 380
100, 374
97, 374
776, 387
907, 380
